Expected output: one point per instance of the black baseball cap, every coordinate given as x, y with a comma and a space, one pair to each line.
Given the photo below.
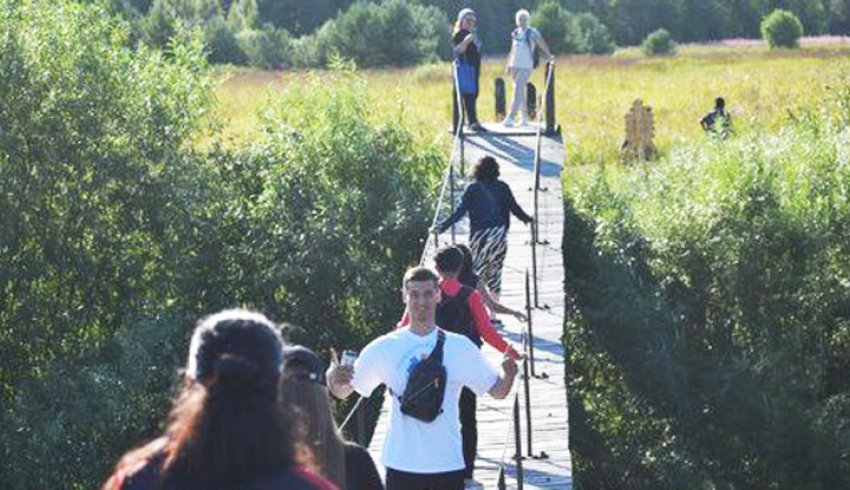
303, 364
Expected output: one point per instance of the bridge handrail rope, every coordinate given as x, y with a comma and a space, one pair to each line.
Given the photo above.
448, 174
446, 183
514, 418
550, 69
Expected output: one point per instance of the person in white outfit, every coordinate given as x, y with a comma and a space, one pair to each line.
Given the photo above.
521, 63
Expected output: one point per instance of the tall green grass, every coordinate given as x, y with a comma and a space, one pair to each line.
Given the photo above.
763, 90
709, 319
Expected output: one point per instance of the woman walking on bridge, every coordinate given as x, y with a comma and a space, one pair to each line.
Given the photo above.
490, 203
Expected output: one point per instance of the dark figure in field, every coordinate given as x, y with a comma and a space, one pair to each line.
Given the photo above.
303, 386
466, 47
490, 203
227, 430
718, 121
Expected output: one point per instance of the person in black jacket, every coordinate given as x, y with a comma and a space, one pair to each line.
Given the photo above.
303, 386
227, 428
466, 46
489, 203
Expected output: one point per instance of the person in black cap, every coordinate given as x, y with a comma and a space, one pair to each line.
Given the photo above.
227, 428
302, 387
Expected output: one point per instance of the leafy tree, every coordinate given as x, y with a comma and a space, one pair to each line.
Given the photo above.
782, 29
659, 43
166, 17
95, 200
243, 15
557, 27
298, 16
593, 36
266, 48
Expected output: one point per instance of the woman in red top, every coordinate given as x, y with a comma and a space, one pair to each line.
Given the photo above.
227, 428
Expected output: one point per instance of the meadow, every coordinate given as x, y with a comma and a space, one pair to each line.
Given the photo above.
763, 90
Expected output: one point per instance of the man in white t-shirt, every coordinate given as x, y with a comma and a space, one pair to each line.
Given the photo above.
422, 455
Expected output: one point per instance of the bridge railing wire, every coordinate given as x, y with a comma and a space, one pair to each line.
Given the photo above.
445, 197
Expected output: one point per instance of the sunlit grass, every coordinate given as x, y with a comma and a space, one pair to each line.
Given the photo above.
762, 89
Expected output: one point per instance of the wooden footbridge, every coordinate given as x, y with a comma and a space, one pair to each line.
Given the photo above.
532, 421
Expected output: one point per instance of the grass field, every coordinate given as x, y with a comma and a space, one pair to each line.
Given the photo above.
762, 89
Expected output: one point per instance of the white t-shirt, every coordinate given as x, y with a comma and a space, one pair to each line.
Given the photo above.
413, 445
522, 44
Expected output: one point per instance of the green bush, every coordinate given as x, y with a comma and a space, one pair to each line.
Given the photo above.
166, 17
116, 234
658, 43
66, 427
709, 319
593, 36
781, 29
557, 27
270, 49
94, 204
392, 33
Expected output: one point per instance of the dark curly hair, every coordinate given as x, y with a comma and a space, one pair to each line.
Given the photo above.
486, 169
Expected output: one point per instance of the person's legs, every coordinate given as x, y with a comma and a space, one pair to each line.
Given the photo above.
489, 247
523, 113
452, 480
520, 76
468, 430
457, 115
498, 252
469, 101
402, 480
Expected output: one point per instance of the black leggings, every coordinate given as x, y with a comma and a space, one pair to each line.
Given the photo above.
468, 430
402, 480
469, 101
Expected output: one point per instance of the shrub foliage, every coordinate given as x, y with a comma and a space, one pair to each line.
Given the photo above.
709, 322
117, 233
659, 43
781, 29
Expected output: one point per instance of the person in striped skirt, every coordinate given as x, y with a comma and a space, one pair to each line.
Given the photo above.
489, 203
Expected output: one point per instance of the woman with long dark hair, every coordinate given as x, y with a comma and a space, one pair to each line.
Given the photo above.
227, 428
303, 388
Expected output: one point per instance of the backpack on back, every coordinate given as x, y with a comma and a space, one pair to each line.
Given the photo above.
453, 315
426, 386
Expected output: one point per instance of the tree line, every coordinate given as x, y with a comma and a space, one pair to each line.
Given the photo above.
294, 33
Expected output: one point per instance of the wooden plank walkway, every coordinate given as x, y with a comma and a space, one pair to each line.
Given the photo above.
515, 154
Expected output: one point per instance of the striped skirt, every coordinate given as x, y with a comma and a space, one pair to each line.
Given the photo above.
489, 248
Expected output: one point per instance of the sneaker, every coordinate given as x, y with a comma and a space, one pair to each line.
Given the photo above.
477, 127
508, 122
523, 121
471, 484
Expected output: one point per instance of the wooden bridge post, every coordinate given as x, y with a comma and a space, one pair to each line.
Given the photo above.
452, 191
527, 386
528, 317
499, 91
518, 444
550, 99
